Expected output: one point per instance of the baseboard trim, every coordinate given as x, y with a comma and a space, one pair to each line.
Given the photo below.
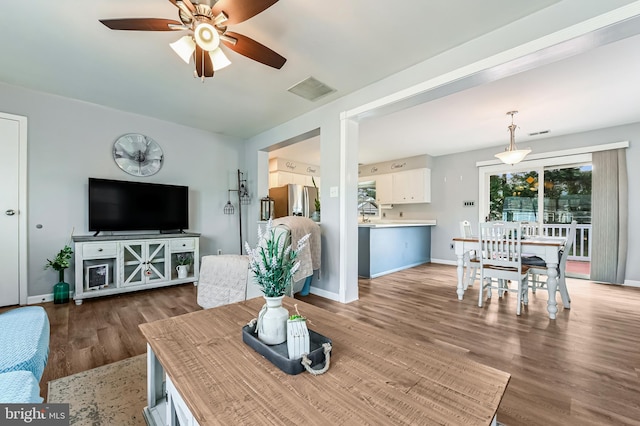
44, 298
631, 283
324, 293
445, 262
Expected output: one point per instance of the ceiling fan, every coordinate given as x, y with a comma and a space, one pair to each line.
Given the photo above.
207, 22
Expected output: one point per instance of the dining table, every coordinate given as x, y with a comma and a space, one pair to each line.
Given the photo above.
545, 247
200, 372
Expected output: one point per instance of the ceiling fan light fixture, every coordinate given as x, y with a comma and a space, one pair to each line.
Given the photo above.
219, 59
512, 155
184, 47
206, 36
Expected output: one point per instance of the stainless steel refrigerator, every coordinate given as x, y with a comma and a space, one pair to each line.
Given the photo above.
293, 200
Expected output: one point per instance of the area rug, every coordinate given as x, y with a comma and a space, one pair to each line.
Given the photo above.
113, 394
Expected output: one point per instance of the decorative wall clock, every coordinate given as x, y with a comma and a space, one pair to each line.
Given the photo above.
137, 154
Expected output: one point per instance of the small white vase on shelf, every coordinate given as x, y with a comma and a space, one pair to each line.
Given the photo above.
182, 270
272, 321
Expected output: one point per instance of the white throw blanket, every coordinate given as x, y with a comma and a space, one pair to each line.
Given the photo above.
223, 280
310, 255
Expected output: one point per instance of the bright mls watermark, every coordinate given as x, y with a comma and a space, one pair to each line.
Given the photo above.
34, 414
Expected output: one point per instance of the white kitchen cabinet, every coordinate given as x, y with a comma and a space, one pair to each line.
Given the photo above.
280, 178
107, 265
411, 186
384, 189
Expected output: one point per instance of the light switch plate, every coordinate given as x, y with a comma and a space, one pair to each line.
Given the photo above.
333, 191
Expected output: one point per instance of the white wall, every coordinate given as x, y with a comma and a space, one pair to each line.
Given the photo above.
70, 141
339, 154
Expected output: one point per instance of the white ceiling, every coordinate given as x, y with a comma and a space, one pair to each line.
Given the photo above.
593, 90
61, 48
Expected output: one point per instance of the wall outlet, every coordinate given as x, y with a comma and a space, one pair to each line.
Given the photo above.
219, 251
468, 203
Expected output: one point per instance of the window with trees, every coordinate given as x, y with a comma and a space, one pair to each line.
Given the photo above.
565, 195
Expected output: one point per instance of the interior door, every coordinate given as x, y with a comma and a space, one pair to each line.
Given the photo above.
9, 223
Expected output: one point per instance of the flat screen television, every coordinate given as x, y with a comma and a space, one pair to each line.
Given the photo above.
116, 205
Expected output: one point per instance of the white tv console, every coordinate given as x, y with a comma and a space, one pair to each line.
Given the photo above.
113, 264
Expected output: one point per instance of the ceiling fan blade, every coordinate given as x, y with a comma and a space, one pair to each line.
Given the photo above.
140, 24
254, 50
204, 66
240, 10
187, 3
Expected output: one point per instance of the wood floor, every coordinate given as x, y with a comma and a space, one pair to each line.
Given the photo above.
581, 369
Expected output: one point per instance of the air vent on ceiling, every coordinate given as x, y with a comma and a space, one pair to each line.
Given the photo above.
311, 89
541, 132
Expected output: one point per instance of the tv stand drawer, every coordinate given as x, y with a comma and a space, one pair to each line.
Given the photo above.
107, 249
183, 244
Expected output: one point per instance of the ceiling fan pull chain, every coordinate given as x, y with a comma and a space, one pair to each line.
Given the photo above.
203, 66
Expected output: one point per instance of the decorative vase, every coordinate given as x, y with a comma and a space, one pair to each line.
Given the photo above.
315, 216
183, 270
61, 290
272, 321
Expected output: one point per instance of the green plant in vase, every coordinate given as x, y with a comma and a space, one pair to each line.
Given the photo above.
183, 259
273, 263
316, 214
60, 263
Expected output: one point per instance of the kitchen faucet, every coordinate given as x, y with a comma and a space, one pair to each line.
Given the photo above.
364, 218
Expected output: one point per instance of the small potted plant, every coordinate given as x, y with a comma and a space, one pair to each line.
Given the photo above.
315, 216
60, 263
273, 263
183, 261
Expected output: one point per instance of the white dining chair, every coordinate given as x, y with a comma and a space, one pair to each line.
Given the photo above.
531, 229
470, 264
538, 267
500, 259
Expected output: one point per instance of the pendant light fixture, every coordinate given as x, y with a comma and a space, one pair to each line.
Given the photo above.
512, 155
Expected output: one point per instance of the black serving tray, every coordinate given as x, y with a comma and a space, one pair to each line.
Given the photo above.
279, 355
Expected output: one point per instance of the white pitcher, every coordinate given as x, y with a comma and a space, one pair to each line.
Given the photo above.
183, 270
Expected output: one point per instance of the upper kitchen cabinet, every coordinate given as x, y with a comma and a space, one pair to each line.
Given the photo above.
401, 181
384, 189
284, 172
406, 187
411, 186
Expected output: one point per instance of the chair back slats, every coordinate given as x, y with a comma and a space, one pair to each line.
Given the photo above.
500, 244
500, 259
531, 229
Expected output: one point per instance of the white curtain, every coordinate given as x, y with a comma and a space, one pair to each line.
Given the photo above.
610, 210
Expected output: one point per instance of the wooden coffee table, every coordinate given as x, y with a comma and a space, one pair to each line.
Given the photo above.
375, 376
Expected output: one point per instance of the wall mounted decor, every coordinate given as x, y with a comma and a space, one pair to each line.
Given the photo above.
137, 154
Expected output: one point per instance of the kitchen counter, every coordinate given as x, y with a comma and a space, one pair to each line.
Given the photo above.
396, 223
386, 246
